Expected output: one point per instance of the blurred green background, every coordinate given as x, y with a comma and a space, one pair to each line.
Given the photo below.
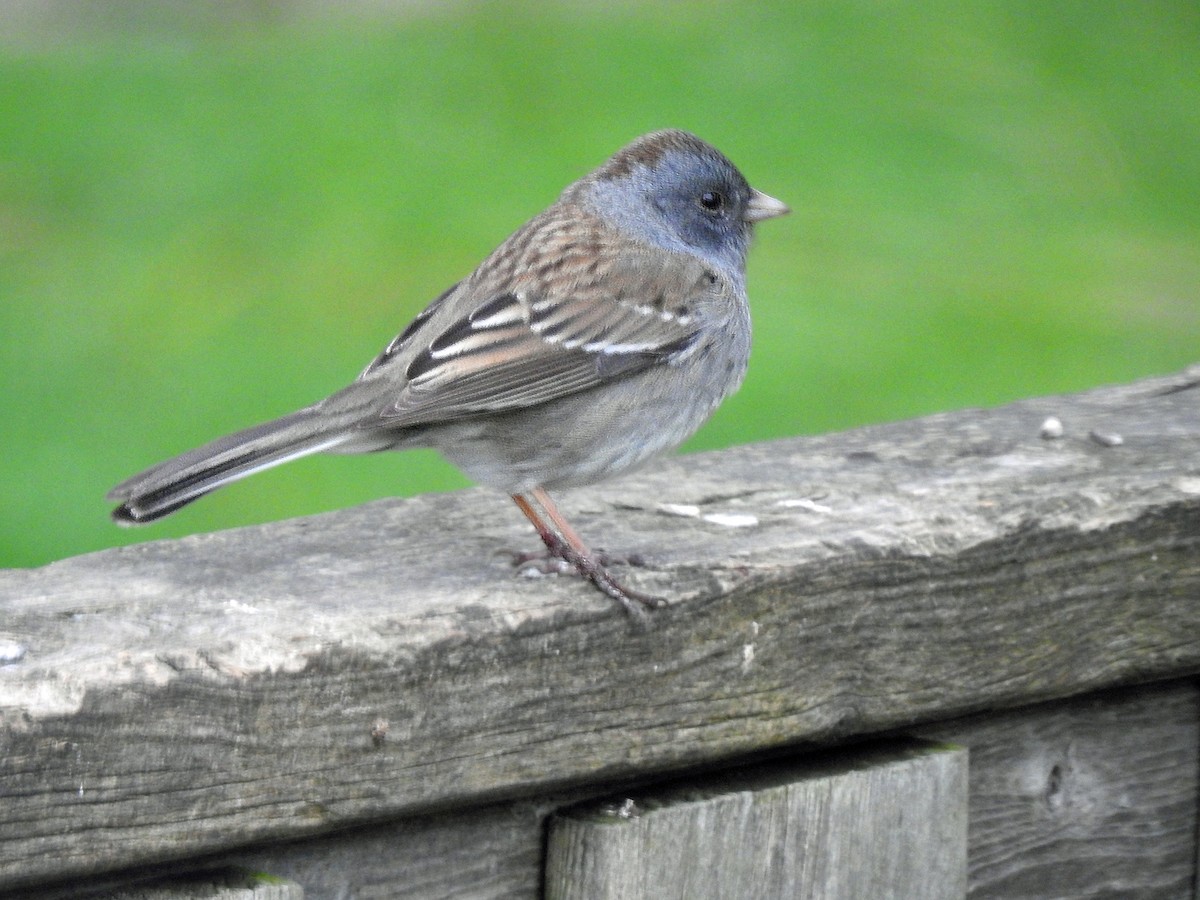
214, 213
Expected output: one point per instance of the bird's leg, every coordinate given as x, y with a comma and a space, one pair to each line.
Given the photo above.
563, 541
556, 548
555, 544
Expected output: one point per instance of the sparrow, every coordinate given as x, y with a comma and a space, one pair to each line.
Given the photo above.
601, 333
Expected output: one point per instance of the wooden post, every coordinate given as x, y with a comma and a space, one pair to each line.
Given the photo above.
888, 822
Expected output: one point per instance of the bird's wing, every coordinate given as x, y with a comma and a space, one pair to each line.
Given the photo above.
533, 343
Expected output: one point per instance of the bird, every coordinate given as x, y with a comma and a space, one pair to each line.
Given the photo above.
602, 332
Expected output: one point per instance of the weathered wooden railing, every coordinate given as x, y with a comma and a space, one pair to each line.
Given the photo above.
368, 703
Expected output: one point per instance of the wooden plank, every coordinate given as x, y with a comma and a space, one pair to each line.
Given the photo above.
1095, 797
1088, 797
224, 884
186, 697
889, 822
1136, 749
487, 853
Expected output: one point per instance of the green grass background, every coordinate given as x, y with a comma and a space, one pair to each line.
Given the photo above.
210, 220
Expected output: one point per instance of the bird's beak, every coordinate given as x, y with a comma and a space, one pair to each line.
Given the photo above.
762, 207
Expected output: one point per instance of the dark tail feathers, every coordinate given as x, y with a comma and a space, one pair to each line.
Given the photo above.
170, 485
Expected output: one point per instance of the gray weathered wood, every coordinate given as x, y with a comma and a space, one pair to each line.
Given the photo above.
183, 697
887, 823
491, 852
1095, 797
219, 885
1092, 796
487, 853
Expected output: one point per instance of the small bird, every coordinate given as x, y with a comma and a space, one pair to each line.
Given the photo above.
602, 332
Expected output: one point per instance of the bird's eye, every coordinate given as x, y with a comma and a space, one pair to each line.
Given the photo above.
712, 200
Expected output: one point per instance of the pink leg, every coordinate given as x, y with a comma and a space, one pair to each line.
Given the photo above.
563, 541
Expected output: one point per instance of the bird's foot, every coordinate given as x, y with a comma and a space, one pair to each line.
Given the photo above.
561, 559
555, 561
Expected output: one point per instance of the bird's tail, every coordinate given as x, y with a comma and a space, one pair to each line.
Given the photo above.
164, 488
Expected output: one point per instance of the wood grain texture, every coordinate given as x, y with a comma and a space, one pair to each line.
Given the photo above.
487, 853
225, 884
185, 697
885, 823
1095, 797
491, 852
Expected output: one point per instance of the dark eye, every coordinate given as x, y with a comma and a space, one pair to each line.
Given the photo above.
712, 200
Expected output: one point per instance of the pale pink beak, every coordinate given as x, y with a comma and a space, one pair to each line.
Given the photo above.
762, 207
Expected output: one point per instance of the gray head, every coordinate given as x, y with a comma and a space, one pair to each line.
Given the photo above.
672, 189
